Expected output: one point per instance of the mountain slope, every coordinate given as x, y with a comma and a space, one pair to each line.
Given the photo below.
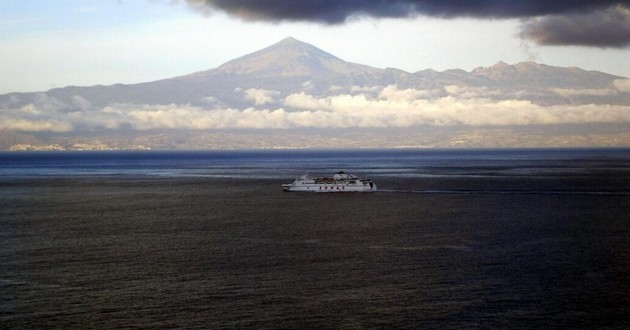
541, 75
293, 94
291, 66
290, 57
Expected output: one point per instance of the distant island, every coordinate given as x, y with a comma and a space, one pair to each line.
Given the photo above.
295, 95
74, 147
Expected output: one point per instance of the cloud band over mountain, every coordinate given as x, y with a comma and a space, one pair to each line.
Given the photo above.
601, 23
388, 107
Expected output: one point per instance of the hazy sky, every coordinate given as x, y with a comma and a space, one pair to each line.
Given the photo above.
47, 44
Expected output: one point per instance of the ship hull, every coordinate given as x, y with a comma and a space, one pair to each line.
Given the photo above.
339, 183
331, 188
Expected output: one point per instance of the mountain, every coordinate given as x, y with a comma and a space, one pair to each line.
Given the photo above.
292, 66
529, 73
284, 66
289, 58
295, 85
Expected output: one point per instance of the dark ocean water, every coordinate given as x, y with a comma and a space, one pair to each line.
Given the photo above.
453, 239
280, 164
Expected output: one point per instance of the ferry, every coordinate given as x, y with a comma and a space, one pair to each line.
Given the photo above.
340, 182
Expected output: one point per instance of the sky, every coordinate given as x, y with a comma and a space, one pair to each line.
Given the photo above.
50, 44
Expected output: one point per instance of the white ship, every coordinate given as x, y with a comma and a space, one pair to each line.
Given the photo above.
340, 182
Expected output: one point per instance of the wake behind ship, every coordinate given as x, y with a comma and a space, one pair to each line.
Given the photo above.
340, 182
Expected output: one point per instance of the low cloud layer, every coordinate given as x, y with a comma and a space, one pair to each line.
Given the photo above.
601, 23
391, 107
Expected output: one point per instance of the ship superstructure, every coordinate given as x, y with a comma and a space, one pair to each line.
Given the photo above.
340, 182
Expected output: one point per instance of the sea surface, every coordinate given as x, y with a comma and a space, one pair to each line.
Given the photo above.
506, 238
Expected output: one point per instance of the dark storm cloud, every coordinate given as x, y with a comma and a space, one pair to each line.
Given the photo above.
546, 21
322, 11
337, 11
605, 28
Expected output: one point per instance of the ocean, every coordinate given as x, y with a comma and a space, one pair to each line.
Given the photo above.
506, 238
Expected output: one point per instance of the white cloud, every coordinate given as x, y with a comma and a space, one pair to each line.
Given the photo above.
391, 107
393, 92
572, 92
308, 85
81, 103
19, 124
261, 96
365, 89
335, 88
471, 92
405, 107
305, 101
618, 86
622, 85
189, 117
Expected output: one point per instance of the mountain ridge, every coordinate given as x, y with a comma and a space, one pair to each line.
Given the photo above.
295, 95
290, 57
292, 66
